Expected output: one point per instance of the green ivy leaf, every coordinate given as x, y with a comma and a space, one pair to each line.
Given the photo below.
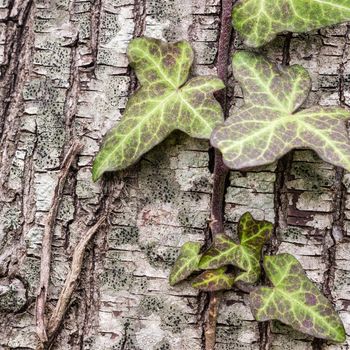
270, 124
252, 235
164, 102
186, 263
259, 21
295, 300
214, 280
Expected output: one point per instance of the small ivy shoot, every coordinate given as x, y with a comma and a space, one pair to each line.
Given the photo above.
252, 234
165, 102
295, 300
270, 123
258, 22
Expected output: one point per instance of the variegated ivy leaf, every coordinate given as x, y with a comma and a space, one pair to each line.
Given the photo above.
214, 280
186, 263
258, 21
271, 123
295, 300
166, 101
252, 235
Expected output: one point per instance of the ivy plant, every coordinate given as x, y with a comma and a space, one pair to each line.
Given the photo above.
166, 101
271, 122
259, 21
252, 235
224, 252
293, 299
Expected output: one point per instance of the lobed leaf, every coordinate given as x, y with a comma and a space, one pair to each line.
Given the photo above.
270, 124
214, 280
165, 102
252, 235
259, 21
295, 300
186, 263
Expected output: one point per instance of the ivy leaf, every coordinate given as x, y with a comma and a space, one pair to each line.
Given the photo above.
270, 124
214, 280
165, 102
295, 300
186, 263
259, 21
252, 235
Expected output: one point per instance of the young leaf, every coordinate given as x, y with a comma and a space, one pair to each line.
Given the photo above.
295, 300
270, 124
214, 280
164, 102
252, 235
259, 21
186, 263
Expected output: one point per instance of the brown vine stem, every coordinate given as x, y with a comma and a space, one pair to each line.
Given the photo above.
220, 170
45, 263
71, 282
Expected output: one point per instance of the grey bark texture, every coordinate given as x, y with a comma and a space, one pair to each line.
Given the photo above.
64, 76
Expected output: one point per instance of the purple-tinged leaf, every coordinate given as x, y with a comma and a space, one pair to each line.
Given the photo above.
214, 280
252, 234
270, 123
295, 300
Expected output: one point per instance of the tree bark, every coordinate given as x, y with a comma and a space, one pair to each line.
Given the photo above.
64, 76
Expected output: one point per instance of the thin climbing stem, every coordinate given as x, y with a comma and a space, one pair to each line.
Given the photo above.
45, 265
71, 282
220, 169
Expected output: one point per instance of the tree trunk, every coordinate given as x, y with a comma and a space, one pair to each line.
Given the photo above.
65, 77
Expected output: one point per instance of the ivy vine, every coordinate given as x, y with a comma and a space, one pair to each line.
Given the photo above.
270, 124
293, 299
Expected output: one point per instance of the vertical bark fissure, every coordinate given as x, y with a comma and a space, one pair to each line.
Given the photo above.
70, 110
27, 206
221, 171
70, 107
88, 298
280, 205
139, 27
18, 40
341, 90
140, 17
19, 43
95, 30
